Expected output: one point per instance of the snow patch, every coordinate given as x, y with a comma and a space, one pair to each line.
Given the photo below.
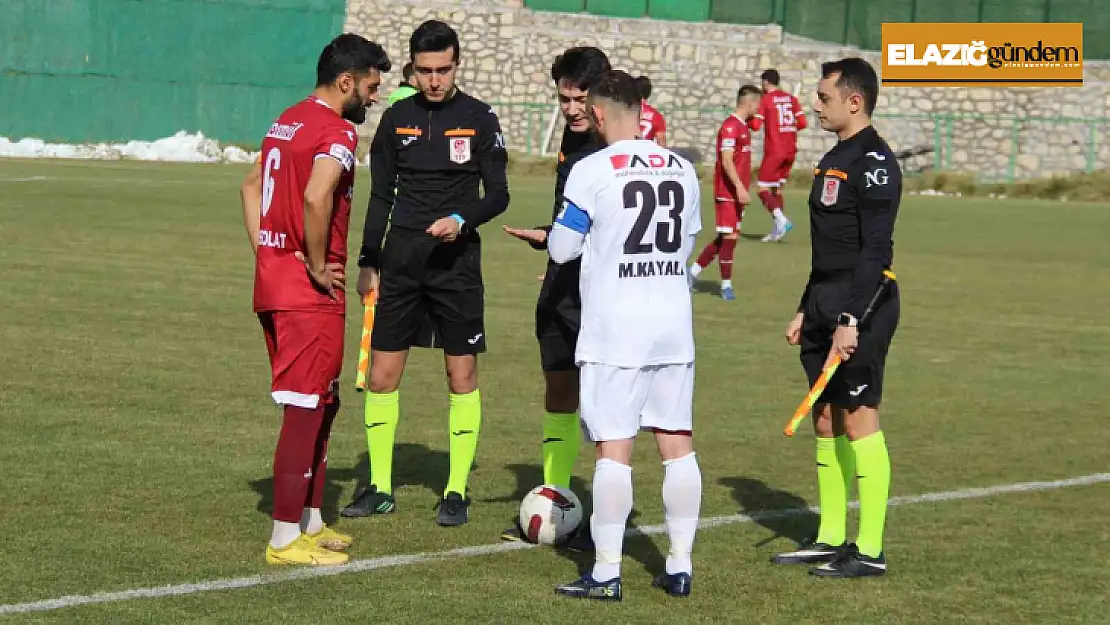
180, 148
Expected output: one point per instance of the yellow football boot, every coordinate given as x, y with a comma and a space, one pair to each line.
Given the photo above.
303, 550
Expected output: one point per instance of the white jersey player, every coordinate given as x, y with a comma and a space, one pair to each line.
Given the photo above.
632, 212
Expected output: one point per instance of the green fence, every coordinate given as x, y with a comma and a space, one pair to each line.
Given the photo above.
108, 70
993, 148
857, 22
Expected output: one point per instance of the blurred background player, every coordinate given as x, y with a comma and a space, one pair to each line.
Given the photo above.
297, 206
432, 157
731, 179
652, 125
407, 88
559, 308
781, 117
636, 345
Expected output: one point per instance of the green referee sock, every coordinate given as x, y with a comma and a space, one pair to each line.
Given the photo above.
561, 436
381, 414
835, 473
466, 421
873, 470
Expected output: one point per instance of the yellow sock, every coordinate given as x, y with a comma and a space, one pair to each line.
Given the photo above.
465, 421
561, 435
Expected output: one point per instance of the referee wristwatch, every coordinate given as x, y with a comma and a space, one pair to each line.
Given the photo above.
847, 320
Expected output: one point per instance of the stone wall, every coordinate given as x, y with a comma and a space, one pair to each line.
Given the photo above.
697, 67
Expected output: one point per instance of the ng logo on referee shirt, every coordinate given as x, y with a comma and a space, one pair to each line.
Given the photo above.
983, 54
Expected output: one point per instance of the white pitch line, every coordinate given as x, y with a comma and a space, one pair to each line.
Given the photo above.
371, 564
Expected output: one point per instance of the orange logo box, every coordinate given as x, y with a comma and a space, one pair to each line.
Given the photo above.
983, 54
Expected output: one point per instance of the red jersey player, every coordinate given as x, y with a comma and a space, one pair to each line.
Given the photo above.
731, 179
652, 125
781, 117
297, 204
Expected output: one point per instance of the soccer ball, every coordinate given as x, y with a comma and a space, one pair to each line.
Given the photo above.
549, 514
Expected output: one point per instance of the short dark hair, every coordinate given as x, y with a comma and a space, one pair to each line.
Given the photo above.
580, 67
618, 86
434, 36
407, 71
350, 53
856, 76
643, 83
771, 76
747, 90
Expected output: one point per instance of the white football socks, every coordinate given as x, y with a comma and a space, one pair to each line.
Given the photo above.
612, 504
682, 505
284, 533
311, 521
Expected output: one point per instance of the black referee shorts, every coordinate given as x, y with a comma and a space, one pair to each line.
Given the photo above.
558, 317
858, 382
430, 295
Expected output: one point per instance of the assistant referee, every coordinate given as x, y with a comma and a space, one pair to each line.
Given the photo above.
853, 204
431, 154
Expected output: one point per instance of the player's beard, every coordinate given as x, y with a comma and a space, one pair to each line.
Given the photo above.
354, 110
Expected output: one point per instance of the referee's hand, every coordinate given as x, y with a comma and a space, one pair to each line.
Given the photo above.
367, 281
535, 236
446, 228
794, 329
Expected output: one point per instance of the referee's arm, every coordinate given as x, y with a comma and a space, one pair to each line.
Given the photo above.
383, 191
493, 164
880, 191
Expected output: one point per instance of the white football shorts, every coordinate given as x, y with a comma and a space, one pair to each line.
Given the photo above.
617, 402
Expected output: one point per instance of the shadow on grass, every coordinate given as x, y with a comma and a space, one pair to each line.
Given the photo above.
785, 514
413, 465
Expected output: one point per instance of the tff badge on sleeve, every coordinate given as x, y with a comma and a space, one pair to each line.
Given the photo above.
460, 150
830, 191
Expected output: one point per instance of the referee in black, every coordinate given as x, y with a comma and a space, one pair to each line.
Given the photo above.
559, 306
427, 159
853, 204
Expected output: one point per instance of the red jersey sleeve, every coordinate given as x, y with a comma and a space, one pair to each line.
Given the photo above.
338, 143
660, 123
760, 116
799, 115
729, 136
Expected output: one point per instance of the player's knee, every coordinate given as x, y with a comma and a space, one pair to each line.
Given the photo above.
823, 422
674, 445
861, 422
462, 374
386, 369
561, 394
731, 236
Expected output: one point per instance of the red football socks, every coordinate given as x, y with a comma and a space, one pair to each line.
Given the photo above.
710, 252
293, 461
728, 249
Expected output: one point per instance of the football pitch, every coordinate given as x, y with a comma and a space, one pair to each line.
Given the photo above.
138, 432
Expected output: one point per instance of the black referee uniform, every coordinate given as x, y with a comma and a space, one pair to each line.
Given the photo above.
559, 308
427, 160
853, 204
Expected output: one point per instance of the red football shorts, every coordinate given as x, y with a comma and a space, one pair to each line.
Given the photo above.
306, 356
775, 168
729, 215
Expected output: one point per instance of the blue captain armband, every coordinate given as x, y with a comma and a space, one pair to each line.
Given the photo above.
573, 218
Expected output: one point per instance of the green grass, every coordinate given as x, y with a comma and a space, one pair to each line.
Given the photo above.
138, 431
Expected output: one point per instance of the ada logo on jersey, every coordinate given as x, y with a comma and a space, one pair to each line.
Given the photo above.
635, 161
831, 191
460, 150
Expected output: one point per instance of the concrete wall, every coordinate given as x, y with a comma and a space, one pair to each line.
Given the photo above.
697, 67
